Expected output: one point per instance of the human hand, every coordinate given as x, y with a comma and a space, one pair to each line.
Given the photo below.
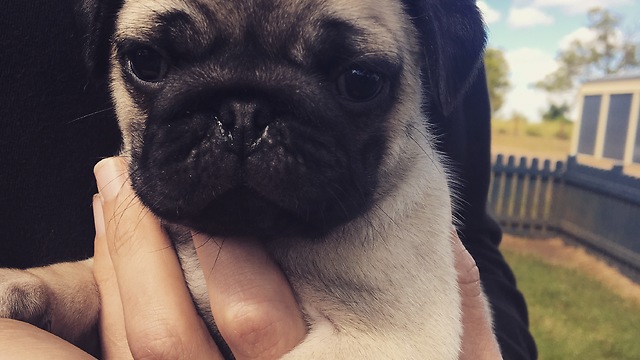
478, 340
250, 297
147, 311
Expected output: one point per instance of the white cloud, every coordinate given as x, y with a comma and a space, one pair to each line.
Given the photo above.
586, 36
528, 16
490, 14
582, 34
579, 6
527, 66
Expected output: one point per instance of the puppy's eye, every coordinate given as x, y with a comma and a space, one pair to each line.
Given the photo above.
359, 84
147, 64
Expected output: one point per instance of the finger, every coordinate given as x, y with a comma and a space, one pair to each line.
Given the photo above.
160, 318
478, 339
113, 337
251, 300
468, 272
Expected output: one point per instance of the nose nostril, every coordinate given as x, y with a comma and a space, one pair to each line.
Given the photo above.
242, 123
226, 119
262, 117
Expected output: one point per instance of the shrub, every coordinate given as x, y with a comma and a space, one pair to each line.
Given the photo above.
562, 135
534, 131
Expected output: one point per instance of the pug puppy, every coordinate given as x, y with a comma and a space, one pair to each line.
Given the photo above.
302, 123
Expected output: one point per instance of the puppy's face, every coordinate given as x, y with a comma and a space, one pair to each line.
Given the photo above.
269, 117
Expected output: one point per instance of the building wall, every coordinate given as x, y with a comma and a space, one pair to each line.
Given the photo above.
608, 116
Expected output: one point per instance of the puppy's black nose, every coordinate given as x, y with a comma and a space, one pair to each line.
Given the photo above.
244, 124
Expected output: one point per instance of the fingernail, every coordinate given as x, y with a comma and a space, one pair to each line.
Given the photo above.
110, 176
98, 215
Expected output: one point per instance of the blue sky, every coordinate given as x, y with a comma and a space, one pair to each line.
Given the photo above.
531, 32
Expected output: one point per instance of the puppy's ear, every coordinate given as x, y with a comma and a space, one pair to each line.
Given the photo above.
453, 39
97, 20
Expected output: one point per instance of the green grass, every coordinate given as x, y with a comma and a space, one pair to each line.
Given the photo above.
547, 129
573, 316
550, 138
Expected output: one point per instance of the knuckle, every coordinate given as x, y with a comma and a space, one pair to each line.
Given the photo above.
254, 327
473, 273
469, 282
467, 268
155, 342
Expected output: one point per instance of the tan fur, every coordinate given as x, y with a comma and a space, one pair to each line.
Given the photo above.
62, 298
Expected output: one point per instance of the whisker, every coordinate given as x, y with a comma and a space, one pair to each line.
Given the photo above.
374, 227
428, 154
387, 215
89, 115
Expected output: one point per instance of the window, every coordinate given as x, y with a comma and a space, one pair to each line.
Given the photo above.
617, 126
589, 124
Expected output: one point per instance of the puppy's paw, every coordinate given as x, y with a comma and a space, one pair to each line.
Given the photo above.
24, 297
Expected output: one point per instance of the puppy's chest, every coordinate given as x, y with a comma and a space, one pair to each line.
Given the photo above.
326, 287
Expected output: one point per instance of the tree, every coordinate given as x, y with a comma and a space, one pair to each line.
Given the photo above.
609, 52
556, 113
497, 71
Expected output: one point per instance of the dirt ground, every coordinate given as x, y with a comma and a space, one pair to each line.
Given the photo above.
557, 252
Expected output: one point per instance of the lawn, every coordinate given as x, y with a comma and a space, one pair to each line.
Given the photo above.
548, 140
574, 316
577, 309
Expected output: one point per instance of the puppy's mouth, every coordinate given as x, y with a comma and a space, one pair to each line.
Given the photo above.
289, 179
265, 206
242, 211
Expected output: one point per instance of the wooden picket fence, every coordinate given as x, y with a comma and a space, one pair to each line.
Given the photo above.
599, 208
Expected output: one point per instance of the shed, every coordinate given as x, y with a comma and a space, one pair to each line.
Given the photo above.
607, 122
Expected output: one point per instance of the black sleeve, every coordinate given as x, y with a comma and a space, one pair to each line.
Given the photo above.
54, 126
466, 140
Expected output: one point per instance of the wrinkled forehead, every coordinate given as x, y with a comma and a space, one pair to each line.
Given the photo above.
370, 25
